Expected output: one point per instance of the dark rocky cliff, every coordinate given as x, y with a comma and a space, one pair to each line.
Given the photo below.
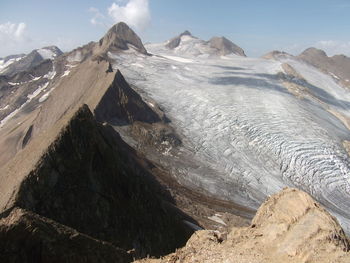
91, 181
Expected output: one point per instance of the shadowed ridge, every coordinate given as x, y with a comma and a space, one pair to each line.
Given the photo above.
90, 180
121, 104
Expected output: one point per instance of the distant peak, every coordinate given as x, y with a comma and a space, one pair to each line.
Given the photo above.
175, 41
275, 54
118, 37
225, 46
314, 51
186, 33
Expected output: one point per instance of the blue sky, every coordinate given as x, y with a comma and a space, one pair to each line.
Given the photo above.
256, 26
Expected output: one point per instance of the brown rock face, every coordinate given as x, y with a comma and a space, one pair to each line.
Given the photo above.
28, 237
118, 38
225, 46
337, 66
289, 227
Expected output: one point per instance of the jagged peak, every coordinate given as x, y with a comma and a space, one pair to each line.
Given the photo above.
175, 41
118, 37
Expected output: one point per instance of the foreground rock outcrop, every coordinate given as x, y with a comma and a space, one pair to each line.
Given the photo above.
289, 227
28, 237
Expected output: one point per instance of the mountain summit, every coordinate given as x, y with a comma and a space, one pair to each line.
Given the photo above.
119, 37
175, 42
225, 46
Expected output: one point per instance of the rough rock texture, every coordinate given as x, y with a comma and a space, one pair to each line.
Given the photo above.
225, 46
28, 237
175, 42
289, 227
337, 66
118, 38
91, 181
121, 104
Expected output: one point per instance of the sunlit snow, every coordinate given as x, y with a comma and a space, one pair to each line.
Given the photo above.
237, 119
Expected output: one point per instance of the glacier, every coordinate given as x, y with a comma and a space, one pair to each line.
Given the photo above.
249, 136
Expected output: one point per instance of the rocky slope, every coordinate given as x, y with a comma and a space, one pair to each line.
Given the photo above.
289, 227
337, 66
26, 62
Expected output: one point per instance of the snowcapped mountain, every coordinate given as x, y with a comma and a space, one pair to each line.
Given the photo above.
5, 62
14, 64
222, 125
186, 44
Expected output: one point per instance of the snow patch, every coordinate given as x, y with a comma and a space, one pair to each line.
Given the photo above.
46, 53
30, 97
217, 219
37, 91
66, 73
51, 74
4, 65
75, 57
5, 108
179, 59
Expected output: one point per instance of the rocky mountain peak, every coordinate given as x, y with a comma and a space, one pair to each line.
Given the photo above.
175, 42
118, 37
186, 33
313, 52
225, 46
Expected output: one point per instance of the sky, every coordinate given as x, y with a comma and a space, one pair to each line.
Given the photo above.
258, 26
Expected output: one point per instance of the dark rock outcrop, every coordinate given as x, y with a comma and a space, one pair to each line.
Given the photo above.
118, 38
122, 105
90, 180
28, 237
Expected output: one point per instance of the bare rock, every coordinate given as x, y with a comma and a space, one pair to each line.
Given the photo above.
28, 237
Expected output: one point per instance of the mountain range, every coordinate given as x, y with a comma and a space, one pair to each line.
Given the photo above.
117, 151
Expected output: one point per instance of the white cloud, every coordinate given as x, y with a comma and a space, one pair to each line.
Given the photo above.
135, 13
98, 18
14, 38
333, 47
11, 32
